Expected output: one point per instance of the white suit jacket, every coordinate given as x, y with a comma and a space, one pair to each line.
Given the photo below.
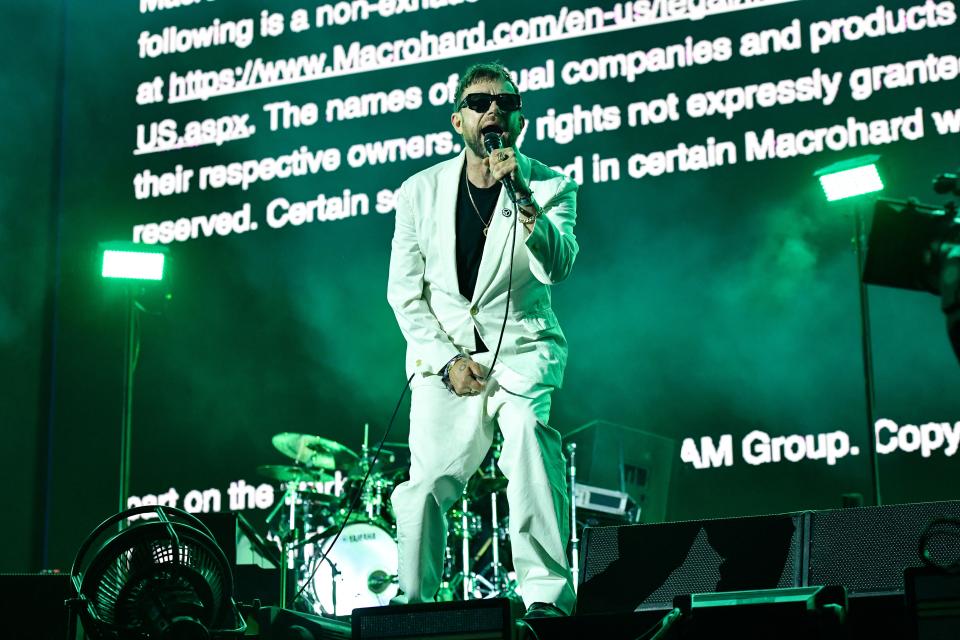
424, 292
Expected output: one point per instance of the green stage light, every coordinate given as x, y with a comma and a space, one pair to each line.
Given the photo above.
850, 178
132, 261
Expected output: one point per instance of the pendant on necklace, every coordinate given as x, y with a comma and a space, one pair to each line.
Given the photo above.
485, 229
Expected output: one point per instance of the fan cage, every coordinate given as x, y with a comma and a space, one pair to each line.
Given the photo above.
167, 550
117, 591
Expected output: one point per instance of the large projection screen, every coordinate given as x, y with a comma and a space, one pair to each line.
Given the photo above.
714, 300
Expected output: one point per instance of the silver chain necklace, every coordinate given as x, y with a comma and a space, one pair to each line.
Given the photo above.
486, 223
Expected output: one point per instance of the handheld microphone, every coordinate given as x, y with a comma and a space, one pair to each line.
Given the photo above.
492, 140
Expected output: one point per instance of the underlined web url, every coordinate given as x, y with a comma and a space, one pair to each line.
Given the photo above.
356, 57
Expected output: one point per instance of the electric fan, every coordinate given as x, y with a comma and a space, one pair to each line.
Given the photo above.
159, 577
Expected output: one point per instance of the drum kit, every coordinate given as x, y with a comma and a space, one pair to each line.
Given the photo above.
338, 533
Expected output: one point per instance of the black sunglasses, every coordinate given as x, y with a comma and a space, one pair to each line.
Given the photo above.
480, 102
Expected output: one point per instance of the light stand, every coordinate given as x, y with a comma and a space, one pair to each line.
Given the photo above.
842, 181
137, 267
126, 417
866, 349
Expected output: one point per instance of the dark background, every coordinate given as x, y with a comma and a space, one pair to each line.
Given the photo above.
702, 303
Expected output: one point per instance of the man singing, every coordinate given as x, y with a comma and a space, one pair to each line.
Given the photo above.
450, 287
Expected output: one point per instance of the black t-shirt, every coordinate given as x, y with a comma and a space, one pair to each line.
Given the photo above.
470, 238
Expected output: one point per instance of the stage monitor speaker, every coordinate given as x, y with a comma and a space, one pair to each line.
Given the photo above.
640, 567
275, 623
863, 549
459, 620
933, 603
32, 605
867, 549
619, 458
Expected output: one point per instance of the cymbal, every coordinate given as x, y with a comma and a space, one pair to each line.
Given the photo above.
481, 485
292, 473
314, 451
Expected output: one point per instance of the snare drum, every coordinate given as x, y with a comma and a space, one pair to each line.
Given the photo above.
360, 570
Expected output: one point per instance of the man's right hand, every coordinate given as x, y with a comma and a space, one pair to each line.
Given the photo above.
467, 377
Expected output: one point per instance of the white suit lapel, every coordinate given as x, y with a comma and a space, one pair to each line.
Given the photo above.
445, 227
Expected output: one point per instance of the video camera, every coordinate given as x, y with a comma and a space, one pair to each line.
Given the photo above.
917, 246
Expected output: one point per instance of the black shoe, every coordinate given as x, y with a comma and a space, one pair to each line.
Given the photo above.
539, 610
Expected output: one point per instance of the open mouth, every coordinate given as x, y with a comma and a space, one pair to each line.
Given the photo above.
495, 128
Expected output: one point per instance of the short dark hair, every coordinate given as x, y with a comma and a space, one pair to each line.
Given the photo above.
482, 71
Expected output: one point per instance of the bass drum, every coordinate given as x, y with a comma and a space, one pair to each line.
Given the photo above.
360, 571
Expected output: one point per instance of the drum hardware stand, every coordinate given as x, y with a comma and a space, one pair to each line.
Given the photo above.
465, 546
286, 538
499, 582
367, 495
445, 593
493, 580
480, 588
494, 520
372, 497
334, 572
574, 538
465, 578
500, 586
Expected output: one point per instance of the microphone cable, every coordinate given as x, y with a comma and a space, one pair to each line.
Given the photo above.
488, 142
506, 311
356, 497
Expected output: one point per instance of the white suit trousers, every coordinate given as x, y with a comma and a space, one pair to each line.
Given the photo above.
449, 437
